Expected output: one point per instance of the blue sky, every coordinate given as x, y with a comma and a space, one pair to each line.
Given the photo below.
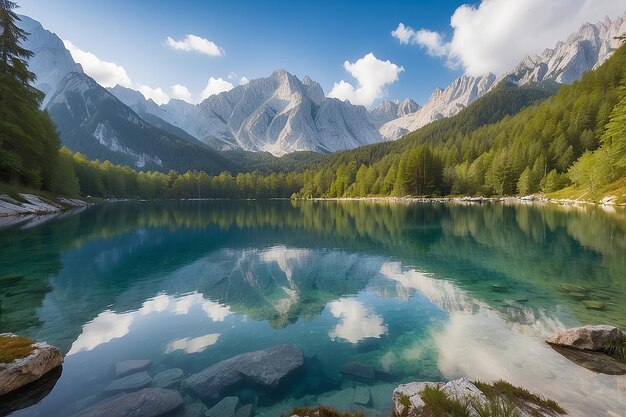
303, 38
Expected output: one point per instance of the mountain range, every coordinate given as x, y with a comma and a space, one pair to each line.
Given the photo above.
582, 51
278, 114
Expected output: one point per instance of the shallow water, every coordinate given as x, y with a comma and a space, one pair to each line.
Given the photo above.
419, 292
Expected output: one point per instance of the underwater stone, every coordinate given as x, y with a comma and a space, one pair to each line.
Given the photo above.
131, 382
244, 411
362, 396
266, 368
131, 366
149, 402
225, 408
168, 378
359, 371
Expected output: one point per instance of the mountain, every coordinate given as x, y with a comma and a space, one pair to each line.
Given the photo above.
51, 61
279, 114
392, 109
565, 63
92, 121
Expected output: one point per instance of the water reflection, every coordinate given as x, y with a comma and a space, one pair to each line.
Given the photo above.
357, 322
420, 292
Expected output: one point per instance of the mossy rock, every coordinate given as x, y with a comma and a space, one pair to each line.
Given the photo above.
14, 347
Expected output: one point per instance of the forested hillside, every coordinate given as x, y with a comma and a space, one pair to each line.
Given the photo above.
514, 140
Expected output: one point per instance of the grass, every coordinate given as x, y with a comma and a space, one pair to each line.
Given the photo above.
14, 347
616, 188
617, 348
520, 397
439, 404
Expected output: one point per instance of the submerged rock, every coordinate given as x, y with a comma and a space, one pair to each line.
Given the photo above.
131, 382
193, 410
123, 368
595, 338
359, 371
40, 359
225, 408
168, 378
149, 402
266, 368
362, 396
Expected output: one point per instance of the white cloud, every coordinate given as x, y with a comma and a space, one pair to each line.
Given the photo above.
156, 94
495, 35
215, 86
242, 80
372, 76
181, 92
193, 43
107, 74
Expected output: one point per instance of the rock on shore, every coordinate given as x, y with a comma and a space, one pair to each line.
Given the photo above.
22, 371
32, 204
595, 338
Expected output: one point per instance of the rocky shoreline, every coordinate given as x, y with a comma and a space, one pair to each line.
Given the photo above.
29, 204
530, 199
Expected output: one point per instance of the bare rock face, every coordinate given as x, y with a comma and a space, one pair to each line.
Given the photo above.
149, 402
266, 368
594, 338
20, 372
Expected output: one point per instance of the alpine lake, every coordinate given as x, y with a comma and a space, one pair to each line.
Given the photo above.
400, 292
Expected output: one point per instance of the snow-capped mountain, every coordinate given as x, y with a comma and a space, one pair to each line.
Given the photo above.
565, 63
279, 114
51, 61
392, 109
92, 121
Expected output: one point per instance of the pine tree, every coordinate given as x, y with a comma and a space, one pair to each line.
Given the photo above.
28, 140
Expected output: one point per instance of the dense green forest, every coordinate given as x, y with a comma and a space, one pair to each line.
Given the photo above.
511, 141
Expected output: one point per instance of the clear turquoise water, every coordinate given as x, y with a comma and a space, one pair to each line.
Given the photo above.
420, 292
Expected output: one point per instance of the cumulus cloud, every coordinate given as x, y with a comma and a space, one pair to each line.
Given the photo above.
496, 34
181, 92
215, 86
107, 74
372, 75
233, 76
193, 43
156, 94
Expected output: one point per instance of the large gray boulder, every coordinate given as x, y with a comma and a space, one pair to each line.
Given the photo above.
149, 402
22, 371
266, 368
594, 338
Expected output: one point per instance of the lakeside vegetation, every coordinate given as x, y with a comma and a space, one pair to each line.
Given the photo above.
513, 141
